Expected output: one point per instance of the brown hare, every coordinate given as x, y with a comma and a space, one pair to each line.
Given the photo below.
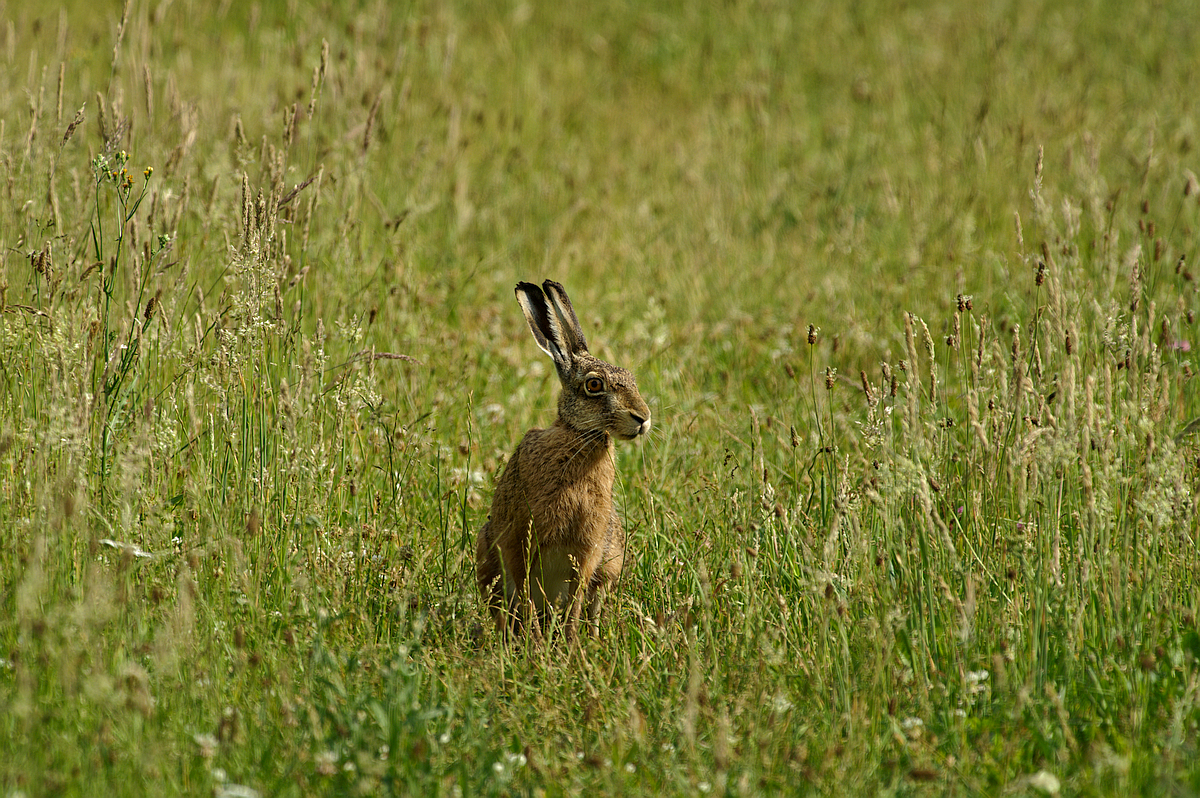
553, 541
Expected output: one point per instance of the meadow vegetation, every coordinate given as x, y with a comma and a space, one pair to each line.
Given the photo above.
908, 287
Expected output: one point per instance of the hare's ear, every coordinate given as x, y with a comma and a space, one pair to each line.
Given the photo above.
543, 323
568, 322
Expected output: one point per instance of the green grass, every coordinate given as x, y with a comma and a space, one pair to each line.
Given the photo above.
951, 552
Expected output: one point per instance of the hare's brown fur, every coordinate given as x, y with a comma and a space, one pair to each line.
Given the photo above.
554, 541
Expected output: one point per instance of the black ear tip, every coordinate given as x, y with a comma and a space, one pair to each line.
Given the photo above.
526, 287
551, 285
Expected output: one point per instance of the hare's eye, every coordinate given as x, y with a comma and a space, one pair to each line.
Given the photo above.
593, 385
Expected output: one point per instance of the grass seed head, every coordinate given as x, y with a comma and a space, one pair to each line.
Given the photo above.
75, 123
926, 338
866, 386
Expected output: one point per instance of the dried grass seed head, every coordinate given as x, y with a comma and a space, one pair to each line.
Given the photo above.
926, 338
75, 123
866, 386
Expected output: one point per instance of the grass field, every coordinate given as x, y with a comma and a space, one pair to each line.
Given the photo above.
909, 290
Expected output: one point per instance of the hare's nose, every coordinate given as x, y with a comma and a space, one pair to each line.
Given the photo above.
642, 422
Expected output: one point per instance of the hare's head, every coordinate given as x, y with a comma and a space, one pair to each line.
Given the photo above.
596, 396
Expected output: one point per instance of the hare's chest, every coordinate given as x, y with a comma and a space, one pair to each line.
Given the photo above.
576, 518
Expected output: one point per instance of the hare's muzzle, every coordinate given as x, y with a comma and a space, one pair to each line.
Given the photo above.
636, 427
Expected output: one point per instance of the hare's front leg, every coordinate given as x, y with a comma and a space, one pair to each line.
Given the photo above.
608, 570
588, 593
594, 606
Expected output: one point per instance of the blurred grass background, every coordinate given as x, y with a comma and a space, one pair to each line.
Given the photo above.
239, 522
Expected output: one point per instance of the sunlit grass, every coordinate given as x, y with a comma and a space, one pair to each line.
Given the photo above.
910, 294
